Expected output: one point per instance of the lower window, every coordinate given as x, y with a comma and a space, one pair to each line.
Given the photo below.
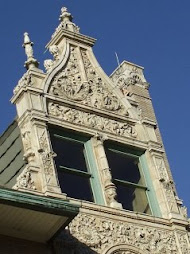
73, 174
128, 177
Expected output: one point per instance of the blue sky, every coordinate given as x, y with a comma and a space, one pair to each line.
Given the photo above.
150, 33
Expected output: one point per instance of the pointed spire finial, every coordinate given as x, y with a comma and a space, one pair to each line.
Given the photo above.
31, 61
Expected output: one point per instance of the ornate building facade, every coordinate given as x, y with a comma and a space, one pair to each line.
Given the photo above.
95, 177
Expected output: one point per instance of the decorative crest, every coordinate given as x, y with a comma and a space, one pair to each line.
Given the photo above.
31, 61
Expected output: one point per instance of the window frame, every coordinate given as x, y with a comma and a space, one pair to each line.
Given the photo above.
143, 170
89, 157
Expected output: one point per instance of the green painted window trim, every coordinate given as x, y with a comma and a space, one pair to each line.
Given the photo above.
89, 155
154, 206
144, 170
95, 179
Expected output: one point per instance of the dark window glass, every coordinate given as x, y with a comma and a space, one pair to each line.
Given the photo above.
75, 186
123, 167
73, 175
131, 189
70, 153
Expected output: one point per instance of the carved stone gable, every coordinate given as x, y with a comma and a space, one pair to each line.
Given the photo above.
78, 81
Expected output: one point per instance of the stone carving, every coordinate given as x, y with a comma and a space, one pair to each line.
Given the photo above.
109, 186
161, 169
184, 211
25, 181
66, 22
124, 251
31, 61
124, 81
100, 234
47, 155
110, 191
48, 65
184, 243
54, 50
167, 184
91, 120
25, 81
122, 84
99, 94
68, 84
26, 139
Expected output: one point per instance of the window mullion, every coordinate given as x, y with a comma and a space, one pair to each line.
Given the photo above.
124, 153
68, 138
75, 171
123, 182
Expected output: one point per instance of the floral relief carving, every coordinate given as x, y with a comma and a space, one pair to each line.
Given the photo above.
166, 183
47, 155
161, 169
69, 84
184, 211
26, 139
25, 181
91, 120
101, 234
25, 81
134, 77
184, 243
100, 96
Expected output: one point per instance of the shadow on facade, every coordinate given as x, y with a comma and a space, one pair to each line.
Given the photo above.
67, 244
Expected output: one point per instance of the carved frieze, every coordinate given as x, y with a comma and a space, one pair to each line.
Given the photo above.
25, 81
91, 120
100, 234
69, 83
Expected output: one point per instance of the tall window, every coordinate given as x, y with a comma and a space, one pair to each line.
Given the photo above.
128, 177
71, 163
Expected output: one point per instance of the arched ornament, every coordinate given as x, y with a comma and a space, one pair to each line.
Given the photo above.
124, 249
67, 81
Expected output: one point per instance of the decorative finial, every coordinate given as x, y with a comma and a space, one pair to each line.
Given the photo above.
66, 21
65, 15
31, 61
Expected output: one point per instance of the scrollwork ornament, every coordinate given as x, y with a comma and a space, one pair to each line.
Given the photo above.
25, 181
47, 155
69, 84
108, 233
91, 120
184, 243
25, 81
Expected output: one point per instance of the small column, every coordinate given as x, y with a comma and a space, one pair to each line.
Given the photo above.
106, 177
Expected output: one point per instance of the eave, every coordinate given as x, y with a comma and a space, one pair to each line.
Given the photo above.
33, 217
